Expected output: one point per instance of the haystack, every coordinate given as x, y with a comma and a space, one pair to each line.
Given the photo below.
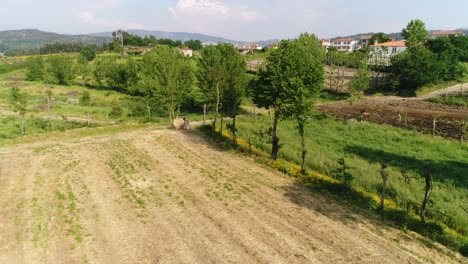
178, 123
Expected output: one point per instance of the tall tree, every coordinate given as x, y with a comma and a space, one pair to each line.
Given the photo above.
18, 103
415, 33
291, 79
236, 83
220, 75
303, 83
361, 81
168, 76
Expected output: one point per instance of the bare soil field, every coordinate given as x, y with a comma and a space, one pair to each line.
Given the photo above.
394, 111
166, 196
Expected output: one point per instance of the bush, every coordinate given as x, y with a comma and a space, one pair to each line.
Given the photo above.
116, 111
88, 53
85, 98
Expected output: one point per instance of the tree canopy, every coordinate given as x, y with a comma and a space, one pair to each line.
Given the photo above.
415, 33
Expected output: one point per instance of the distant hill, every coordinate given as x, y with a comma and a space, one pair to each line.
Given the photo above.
182, 36
30, 39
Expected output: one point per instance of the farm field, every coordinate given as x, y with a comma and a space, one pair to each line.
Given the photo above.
417, 113
166, 196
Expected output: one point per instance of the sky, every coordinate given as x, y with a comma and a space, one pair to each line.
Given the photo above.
246, 20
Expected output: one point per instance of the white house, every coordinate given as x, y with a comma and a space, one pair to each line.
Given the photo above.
325, 43
365, 41
390, 48
443, 33
345, 44
188, 52
209, 43
248, 48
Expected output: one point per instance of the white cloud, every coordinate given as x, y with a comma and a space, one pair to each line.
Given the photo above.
209, 16
89, 18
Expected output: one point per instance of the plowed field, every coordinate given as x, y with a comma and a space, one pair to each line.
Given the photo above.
165, 196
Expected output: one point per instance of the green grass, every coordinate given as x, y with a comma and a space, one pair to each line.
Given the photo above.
332, 96
10, 126
7, 68
457, 100
364, 146
65, 99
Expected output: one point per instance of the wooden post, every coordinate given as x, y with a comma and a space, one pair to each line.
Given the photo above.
204, 114
255, 113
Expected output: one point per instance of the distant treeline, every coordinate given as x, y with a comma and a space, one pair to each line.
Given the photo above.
127, 39
119, 38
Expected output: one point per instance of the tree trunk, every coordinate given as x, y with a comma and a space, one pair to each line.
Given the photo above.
233, 129
22, 124
217, 108
301, 127
204, 114
384, 175
274, 137
463, 129
149, 110
434, 124
87, 118
427, 193
221, 125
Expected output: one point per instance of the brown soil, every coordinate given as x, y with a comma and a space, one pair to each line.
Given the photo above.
419, 114
165, 196
14, 79
14, 84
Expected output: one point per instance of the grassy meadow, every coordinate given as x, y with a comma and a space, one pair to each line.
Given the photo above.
364, 146
66, 110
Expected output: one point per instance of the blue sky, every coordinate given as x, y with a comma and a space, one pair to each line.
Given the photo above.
238, 20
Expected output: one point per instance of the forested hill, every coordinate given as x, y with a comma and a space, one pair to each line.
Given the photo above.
30, 39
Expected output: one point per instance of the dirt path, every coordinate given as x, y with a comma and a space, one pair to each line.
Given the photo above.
459, 88
166, 196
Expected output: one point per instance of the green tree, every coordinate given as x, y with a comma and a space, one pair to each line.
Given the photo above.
414, 67
59, 70
194, 44
415, 33
88, 53
35, 68
85, 98
168, 76
289, 83
380, 38
236, 84
448, 57
101, 67
18, 103
303, 83
217, 69
361, 81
